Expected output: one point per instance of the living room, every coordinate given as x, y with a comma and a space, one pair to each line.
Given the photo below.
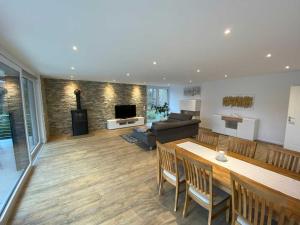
137, 112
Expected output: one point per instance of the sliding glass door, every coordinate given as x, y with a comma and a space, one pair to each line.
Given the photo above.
30, 111
14, 156
157, 97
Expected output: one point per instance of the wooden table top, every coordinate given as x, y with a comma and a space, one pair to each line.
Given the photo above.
221, 175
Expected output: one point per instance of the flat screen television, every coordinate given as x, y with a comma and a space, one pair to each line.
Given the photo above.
125, 111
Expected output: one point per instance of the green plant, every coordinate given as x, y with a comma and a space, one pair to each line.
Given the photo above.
164, 109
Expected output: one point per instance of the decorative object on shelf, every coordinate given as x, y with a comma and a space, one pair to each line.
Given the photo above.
161, 109
192, 91
238, 101
77, 94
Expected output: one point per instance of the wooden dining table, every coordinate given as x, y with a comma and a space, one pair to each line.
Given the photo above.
221, 173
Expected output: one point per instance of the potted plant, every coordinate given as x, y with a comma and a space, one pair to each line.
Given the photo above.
161, 110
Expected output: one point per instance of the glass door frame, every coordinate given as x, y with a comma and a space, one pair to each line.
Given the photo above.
157, 96
157, 92
34, 81
8, 209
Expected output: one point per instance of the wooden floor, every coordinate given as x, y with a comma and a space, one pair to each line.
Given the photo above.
100, 179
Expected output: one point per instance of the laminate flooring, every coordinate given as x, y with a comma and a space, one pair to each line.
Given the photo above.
100, 179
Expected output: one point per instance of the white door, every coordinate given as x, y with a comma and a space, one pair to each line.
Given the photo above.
292, 132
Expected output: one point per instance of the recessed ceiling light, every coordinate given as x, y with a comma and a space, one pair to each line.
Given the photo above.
72, 77
114, 80
190, 81
144, 82
269, 55
168, 84
127, 74
164, 78
74, 48
287, 67
154, 62
72, 68
227, 31
226, 75
198, 70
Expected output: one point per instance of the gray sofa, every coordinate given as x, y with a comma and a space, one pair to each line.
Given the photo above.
177, 126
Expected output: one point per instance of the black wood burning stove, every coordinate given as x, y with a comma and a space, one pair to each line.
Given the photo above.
79, 117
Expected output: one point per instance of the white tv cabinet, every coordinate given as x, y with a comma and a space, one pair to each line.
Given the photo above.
241, 127
122, 123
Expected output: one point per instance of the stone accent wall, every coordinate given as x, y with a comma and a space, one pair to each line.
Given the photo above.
97, 97
44, 99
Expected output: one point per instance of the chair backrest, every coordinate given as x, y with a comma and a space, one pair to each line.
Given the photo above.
259, 205
167, 157
285, 159
243, 147
208, 138
199, 176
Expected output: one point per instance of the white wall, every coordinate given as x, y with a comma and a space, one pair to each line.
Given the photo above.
175, 95
270, 104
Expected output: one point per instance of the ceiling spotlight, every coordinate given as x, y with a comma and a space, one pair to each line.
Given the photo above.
269, 55
74, 48
72, 68
164, 78
287, 67
127, 74
169, 85
154, 62
226, 75
190, 81
198, 70
227, 31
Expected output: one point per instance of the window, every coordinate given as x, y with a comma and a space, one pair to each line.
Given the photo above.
157, 96
14, 156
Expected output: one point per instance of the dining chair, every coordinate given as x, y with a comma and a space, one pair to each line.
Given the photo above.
169, 170
243, 147
284, 159
255, 204
208, 138
199, 187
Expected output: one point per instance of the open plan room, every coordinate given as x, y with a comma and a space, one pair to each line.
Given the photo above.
150, 112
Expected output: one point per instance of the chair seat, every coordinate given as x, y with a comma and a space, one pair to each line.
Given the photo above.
218, 195
173, 177
241, 221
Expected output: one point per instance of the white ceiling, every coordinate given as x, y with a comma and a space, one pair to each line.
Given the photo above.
116, 37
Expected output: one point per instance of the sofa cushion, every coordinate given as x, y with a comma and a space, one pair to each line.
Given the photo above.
179, 116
